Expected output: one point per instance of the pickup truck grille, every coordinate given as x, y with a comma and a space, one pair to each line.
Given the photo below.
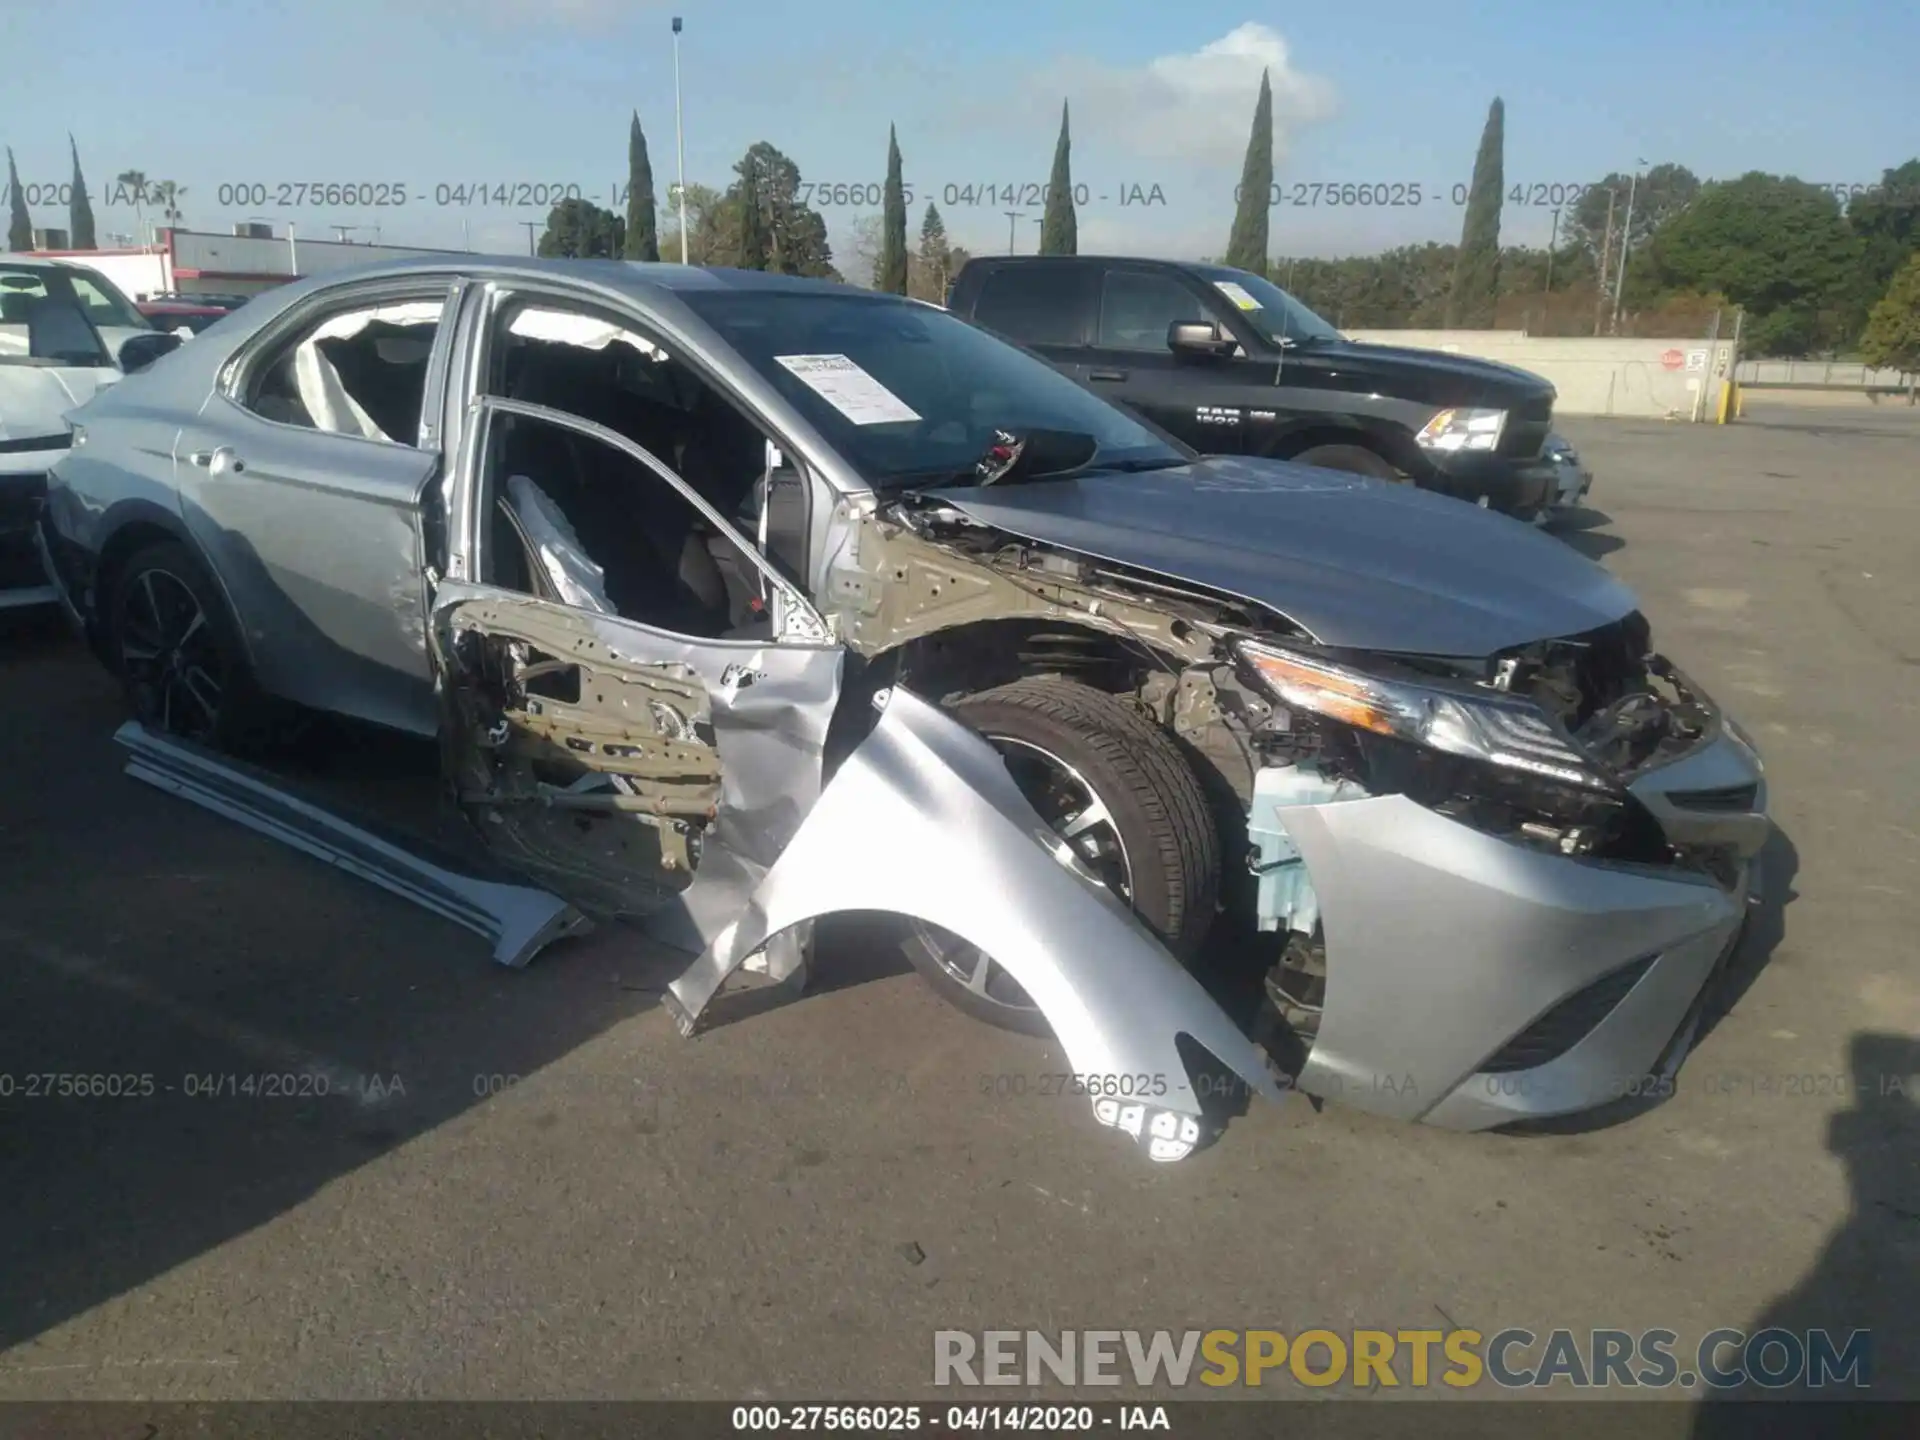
1528, 424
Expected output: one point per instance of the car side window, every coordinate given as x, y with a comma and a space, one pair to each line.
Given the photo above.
1137, 306
588, 524
1037, 304
359, 372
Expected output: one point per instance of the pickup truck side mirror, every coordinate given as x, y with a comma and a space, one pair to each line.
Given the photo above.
1199, 337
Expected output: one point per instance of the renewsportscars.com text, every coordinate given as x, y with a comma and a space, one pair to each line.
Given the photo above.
1513, 1358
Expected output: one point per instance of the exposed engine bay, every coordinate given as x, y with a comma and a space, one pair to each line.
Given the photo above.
951, 606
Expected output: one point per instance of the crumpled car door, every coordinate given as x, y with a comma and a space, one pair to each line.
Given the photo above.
637, 772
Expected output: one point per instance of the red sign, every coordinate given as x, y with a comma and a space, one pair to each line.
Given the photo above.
1673, 359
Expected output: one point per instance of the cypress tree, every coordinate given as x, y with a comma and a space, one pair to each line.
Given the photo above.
1476, 275
1059, 231
80, 207
643, 221
19, 223
755, 252
890, 272
1247, 245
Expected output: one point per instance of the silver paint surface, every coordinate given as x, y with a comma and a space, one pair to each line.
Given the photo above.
518, 920
923, 820
1443, 943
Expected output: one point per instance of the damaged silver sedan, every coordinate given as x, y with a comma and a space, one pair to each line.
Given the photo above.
738, 601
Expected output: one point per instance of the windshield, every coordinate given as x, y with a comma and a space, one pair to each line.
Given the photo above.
908, 393
50, 315
1280, 319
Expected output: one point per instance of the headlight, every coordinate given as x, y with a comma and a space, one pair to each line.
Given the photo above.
1463, 430
1506, 732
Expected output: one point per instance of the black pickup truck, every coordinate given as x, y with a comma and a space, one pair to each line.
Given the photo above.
1232, 364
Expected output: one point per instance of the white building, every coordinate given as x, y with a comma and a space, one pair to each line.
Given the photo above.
196, 262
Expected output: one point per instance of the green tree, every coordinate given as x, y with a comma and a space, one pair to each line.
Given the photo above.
1247, 245
19, 223
1887, 220
788, 236
1476, 276
80, 206
751, 248
890, 273
933, 263
1659, 195
578, 229
1893, 329
1059, 231
1773, 244
706, 237
642, 240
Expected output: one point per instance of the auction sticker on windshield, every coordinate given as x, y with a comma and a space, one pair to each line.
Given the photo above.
849, 389
1237, 294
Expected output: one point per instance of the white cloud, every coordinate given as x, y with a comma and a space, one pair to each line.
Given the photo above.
1193, 107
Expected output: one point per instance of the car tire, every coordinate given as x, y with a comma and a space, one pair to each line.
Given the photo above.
177, 652
1068, 745
1355, 459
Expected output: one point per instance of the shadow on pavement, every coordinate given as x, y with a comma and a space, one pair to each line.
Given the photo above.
203, 1028
1579, 529
1868, 1276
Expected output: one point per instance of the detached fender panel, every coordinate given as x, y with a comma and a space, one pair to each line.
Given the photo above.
923, 820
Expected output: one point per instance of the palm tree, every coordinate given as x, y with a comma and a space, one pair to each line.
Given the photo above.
166, 194
136, 181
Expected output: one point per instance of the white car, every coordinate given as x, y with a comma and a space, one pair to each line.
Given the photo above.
65, 332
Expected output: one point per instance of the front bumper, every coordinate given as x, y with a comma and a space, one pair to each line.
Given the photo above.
1571, 482
1473, 981
1513, 487
23, 486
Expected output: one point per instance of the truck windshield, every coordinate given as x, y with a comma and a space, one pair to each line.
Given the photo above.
906, 392
1280, 319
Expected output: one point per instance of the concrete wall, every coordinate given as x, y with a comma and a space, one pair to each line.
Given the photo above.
1602, 376
239, 255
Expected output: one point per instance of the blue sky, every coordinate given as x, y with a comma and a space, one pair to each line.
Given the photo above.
436, 92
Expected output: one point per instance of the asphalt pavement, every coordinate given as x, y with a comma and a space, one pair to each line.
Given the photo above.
473, 1183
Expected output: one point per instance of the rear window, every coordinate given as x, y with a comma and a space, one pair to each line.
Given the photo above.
1037, 304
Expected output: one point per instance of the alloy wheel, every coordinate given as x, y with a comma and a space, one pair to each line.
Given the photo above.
1089, 843
175, 671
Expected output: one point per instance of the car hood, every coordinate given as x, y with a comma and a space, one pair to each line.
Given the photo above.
35, 399
1351, 560
1441, 375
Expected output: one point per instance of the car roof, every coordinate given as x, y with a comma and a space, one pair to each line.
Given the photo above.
635, 276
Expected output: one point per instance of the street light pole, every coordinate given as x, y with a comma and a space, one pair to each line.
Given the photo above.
680, 140
530, 224
1626, 244
1013, 227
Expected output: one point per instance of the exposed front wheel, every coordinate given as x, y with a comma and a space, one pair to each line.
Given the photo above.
1127, 807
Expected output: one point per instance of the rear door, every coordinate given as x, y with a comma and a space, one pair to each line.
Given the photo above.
305, 478
1047, 306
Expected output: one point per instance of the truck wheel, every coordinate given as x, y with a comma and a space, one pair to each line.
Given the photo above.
1117, 789
173, 645
1354, 458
